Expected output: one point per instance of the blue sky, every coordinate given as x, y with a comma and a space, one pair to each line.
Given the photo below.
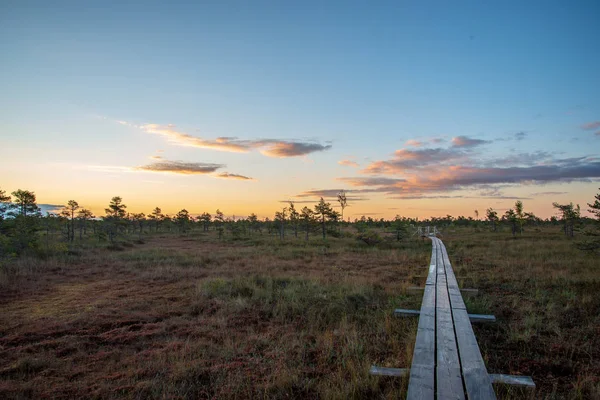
358, 79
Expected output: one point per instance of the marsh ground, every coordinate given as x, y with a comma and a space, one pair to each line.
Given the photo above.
195, 317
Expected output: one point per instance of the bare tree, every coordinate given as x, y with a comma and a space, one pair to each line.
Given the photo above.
341, 198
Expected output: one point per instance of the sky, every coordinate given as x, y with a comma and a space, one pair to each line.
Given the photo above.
413, 108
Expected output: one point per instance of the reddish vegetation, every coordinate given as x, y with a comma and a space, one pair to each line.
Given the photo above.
166, 319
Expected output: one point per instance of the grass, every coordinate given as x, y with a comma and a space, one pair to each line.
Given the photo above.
195, 317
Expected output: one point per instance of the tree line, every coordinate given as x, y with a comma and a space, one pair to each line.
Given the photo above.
21, 222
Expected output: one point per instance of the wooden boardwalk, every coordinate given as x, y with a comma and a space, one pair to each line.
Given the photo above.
447, 363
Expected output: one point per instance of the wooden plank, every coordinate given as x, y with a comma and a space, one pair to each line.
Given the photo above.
481, 318
448, 373
451, 278
382, 371
464, 292
401, 312
421, 384
431, 276
445, 254
449, 383
477, 381
440, 260
428, 297
474, 318
514, 380
456, 299
441, 293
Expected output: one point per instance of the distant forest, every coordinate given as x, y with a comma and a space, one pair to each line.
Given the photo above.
23, 228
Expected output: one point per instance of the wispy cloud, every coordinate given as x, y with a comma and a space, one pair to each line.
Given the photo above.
227, 175
520, 135
268, 147
413, 143
348, 163
331, 194
372, 181
274, 148
547, 193
161, 165
180, 167
590, 126
465, 141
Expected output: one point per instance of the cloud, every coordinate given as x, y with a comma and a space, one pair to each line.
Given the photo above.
429, 181
348, 163
405, 159
50, 208
465, 141
521, 159
174, 136
520, 135
372, 181
321, 193
290, 149
590, 126
299, 201
227, 175
548, 193
268, 147
331, 194
597, 133
413, 143
180, 167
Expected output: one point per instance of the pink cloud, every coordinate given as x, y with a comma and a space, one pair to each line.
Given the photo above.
465, 141
590, 126
348, 163
268, 147
413, 143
